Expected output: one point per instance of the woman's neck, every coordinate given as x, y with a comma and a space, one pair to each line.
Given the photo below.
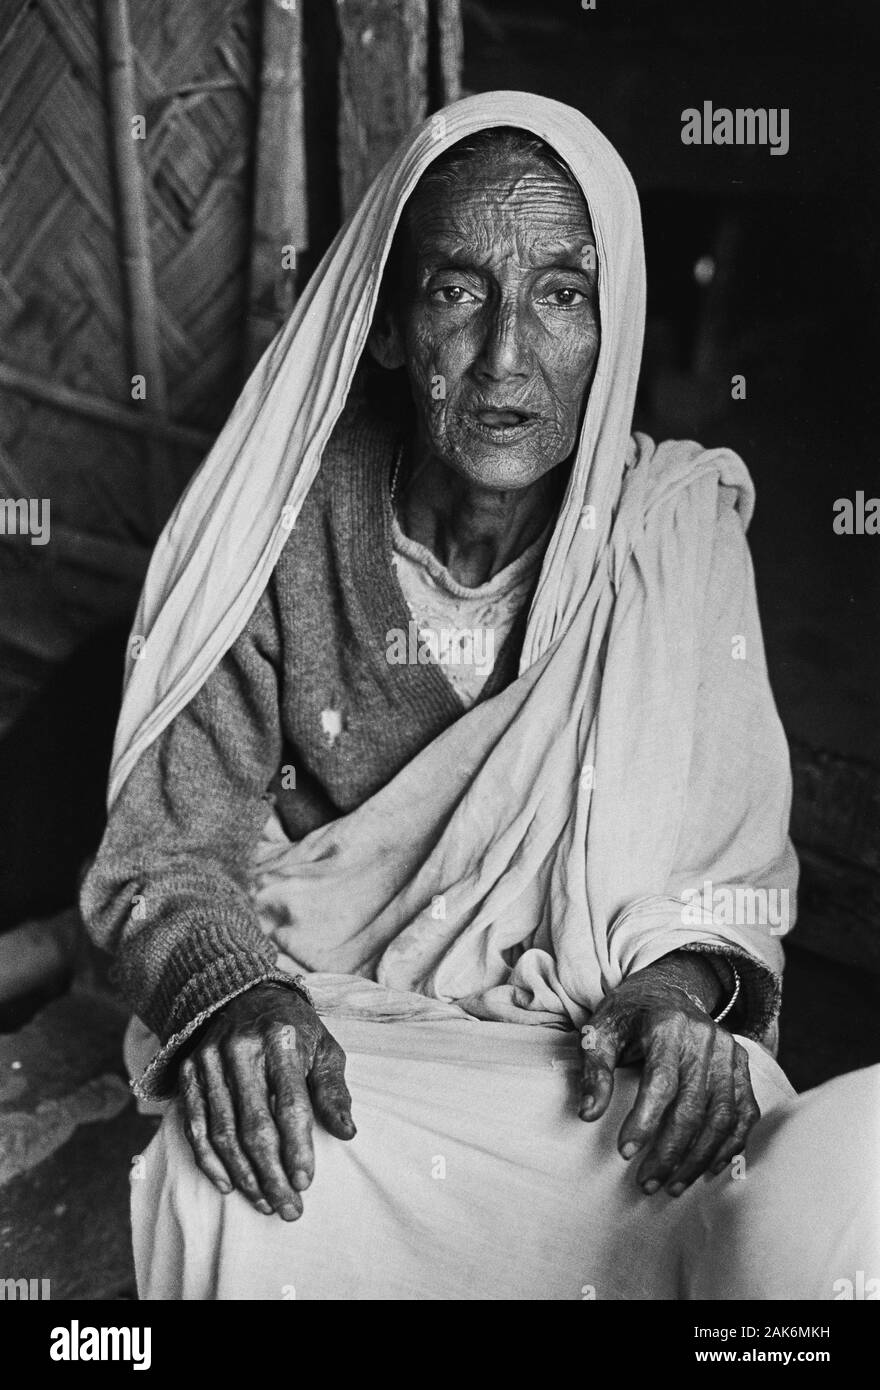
474, 531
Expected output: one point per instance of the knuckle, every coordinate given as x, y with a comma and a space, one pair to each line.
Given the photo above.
196, 1133
329, 1081
300, 1110
191, 1110
288, 1098
296, 1114
661, 1074
256, 1133
207, 1054
222, 1136
242, 1176
690, 1114
724, 1115
678, 1139
242, 1055
284, 1067
667, 1148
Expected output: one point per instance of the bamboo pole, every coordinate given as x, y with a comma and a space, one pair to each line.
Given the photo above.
106, 412
450, 43
137, 264
383, 84
144, 343
280, 231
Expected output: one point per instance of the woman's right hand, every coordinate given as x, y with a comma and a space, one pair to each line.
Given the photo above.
264, 1066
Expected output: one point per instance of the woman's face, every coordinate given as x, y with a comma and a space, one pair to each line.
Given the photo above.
498, 318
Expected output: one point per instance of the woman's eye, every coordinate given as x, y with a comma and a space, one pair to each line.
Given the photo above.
453, 294
566, 298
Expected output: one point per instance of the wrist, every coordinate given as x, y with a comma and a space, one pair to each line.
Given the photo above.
295, 985
693, 975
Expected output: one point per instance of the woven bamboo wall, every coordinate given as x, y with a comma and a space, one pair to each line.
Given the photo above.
263, 120
221, 86
64, 314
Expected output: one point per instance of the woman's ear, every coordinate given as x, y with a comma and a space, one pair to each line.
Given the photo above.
385, 341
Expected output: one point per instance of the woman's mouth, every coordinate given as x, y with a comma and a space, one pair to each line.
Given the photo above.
502, 426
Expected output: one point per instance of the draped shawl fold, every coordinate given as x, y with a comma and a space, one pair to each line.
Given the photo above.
535, 853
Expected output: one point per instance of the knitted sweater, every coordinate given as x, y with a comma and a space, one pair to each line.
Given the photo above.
305, 696
304, 711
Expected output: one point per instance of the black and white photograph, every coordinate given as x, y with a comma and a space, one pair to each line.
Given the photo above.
439, 666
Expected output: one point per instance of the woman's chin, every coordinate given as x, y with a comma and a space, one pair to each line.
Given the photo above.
513, 460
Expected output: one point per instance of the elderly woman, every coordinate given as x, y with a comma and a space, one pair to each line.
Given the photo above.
447, 696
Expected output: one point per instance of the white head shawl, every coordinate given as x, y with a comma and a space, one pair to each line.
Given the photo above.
555, 821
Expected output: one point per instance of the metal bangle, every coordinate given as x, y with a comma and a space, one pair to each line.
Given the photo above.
737, 983
698, 1003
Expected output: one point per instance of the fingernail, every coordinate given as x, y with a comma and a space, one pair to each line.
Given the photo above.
264, 1208
650, 1186
289, 1212
676, 1189
301, 1179
629, 1149
225, 1188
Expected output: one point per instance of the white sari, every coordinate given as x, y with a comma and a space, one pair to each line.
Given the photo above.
560, 824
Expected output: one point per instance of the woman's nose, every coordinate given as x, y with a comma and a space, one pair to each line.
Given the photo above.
505, 351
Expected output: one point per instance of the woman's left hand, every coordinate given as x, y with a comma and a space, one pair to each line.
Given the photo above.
695, 1104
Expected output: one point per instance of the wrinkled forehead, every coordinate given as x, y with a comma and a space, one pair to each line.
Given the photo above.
503, 185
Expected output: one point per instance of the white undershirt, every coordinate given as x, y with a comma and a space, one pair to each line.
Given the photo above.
463, 628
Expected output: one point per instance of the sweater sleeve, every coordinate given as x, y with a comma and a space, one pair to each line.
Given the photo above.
167, 892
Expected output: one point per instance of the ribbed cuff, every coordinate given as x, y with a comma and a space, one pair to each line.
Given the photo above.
159, 1078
